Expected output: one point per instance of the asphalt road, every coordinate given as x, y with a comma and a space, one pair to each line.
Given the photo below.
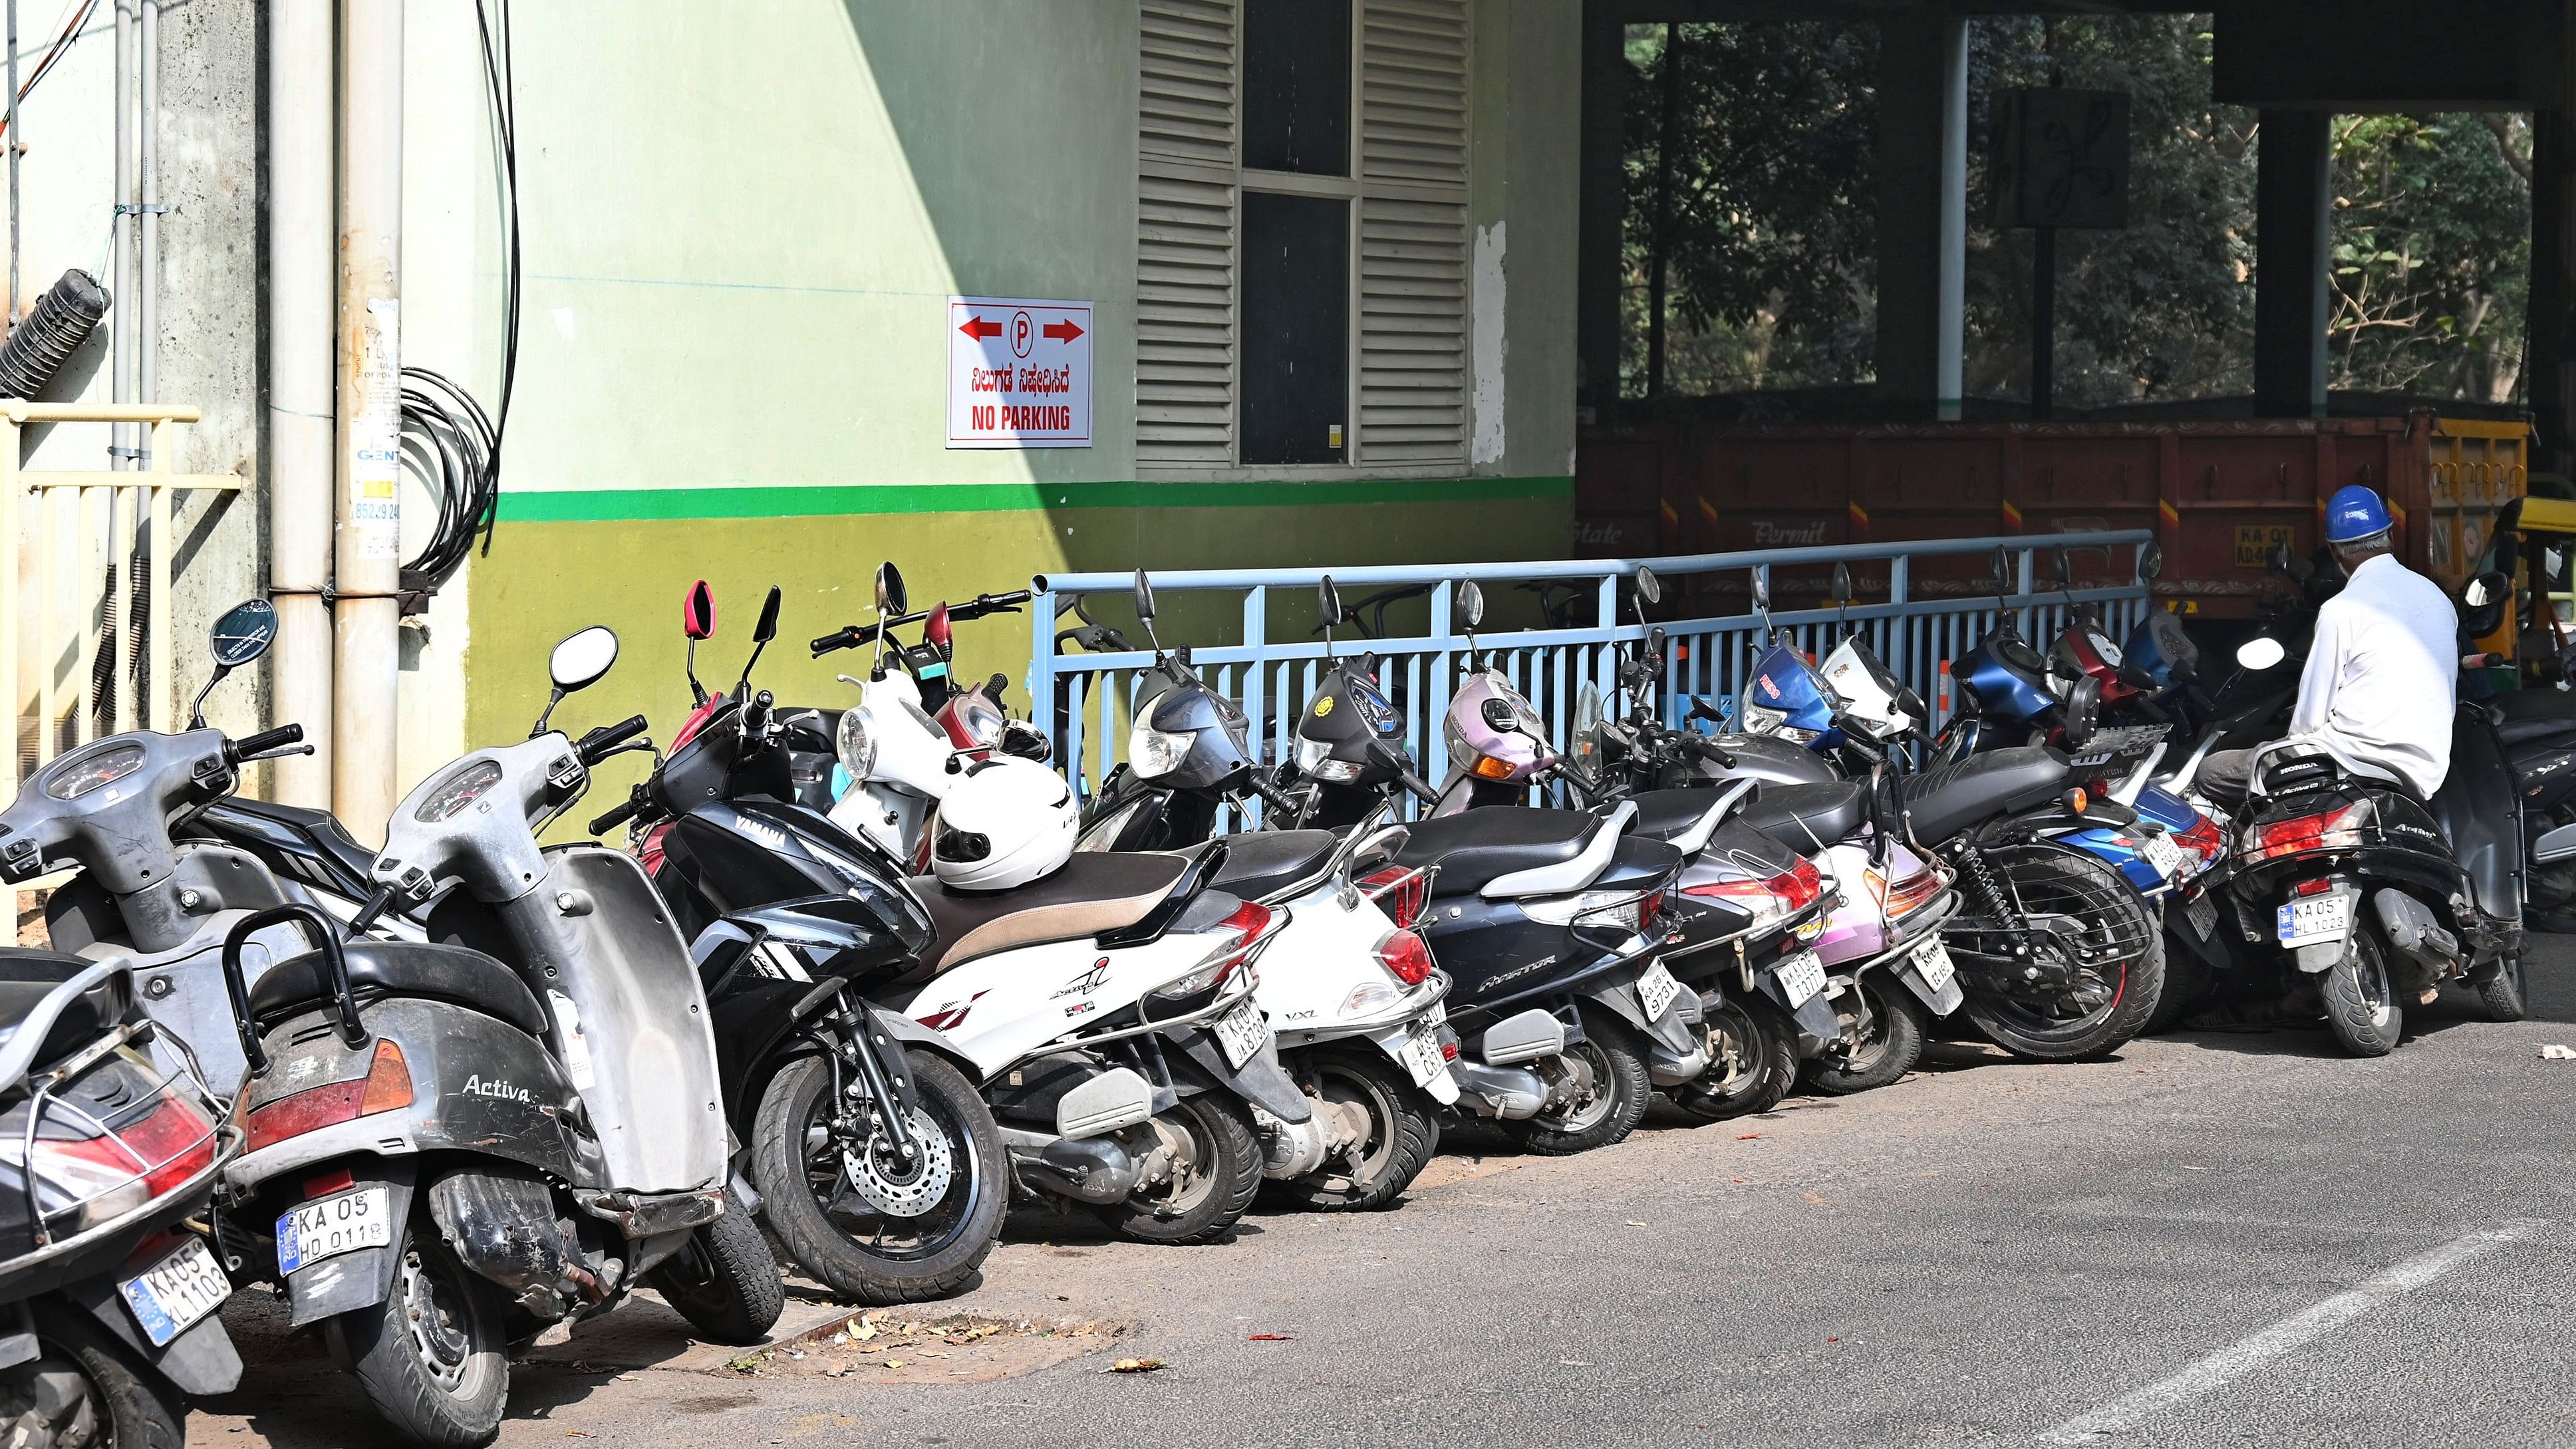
2218, 1238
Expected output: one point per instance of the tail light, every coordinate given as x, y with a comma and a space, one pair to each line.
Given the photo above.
2203, 839
1246, 928
92, 1180
1405, 954
1905, 897
386, 1086
2332, 830
1769, 898
1399, 892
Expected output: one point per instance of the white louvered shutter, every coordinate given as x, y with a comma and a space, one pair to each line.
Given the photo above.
1413, 232
1185, 233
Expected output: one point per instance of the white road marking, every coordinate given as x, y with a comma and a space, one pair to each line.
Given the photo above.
2290, 1333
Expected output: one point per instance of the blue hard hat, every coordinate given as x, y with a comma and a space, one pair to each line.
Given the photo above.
2353, 514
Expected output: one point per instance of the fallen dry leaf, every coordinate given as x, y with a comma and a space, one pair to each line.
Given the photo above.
894, 1363
1813, 1198
1137, 1365
1748, 1136
1273, 1338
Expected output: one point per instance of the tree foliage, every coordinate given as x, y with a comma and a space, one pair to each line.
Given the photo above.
1769, 243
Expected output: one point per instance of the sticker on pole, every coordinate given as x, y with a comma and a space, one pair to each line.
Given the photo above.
1019, 373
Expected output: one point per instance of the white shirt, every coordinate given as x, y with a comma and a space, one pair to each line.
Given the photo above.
2382, 678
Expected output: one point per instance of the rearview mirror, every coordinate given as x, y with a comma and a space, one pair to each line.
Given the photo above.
2476, 594
2151, 561
1761, 592
1144, 598
2003, 570
1649, 588
891, 598
1328, 602
1471, 603
2065, 568
698, 611
1842, 583
2260, 653
243, 633
582, 658
762, 632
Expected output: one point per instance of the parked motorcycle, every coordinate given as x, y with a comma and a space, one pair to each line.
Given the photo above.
450, 1149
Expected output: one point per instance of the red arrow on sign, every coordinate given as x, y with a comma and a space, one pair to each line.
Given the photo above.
978, 328
1060, 331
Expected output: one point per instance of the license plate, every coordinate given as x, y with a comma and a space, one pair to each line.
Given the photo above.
2203, 912
2314, 918
1801, 976
2163, 854
1656, 990
1421, 1055
176, 1292
1241, 1033
1932, 961
2255, 542
327, 1227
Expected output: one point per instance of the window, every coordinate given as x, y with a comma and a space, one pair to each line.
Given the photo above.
1302, 236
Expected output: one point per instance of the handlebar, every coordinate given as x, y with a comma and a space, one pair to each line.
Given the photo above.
602, 742
1008, 602
755, 715
1705, 748
619, 815
258, 746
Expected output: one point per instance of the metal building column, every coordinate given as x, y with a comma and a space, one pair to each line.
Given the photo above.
2293, 218
1923, 208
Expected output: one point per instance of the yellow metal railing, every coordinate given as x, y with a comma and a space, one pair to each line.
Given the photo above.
64, 518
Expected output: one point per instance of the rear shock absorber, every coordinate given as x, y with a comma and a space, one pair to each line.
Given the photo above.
1993, 897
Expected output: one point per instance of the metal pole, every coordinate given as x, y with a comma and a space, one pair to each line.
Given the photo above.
2043, 320
301, 268
147, 255
1950, 284
366, 552
13, 163
121, 249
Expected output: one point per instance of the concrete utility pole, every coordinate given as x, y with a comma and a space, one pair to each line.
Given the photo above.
2293, 222
367, 549
1923, 209
302, 260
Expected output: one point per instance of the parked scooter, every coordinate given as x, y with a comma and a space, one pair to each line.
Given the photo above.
450, 1150
108, 1291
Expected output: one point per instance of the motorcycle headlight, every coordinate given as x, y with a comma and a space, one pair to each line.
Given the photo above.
855, 744
1756, 720
1315, 760
1153, 752
1102, 834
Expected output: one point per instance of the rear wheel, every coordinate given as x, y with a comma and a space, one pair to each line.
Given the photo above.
1890, 1050
1215, 1168
85, 1389
725, 1282
1400, 1136
875, 1228
2090, 930
1752, 1062
2361, 998
1605, 1108
431, 1358
2503, 991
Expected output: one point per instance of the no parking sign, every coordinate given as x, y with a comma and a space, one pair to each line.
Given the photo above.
1019, 373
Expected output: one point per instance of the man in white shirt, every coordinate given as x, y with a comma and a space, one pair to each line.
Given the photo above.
2382, 677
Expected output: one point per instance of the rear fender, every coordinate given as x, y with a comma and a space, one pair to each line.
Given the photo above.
363, 1277
197, 1362
1260, 1080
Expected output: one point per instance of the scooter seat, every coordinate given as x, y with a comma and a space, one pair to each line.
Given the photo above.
1093, 892
1806, 818
1947, 799
1477, 847
1262, 863
378, 969
27, 977
262, 818
2533, 714
1669, 815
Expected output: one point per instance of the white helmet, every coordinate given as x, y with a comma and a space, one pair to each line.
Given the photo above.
1004, 822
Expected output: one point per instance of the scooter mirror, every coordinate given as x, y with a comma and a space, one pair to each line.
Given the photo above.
582, 658
767, 628
243, 633
1842, 583
1761, 592
698, 611
1328, 602
2486, 597
1144, 598
2003, 569
2064, 568
891, 598
1649, 588
2475, 595
2151, 562
2260, 653
1471, 603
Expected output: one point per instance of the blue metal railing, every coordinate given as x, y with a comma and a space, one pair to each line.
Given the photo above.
1087, 698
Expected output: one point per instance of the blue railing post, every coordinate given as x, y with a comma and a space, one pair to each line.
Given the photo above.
1256, 637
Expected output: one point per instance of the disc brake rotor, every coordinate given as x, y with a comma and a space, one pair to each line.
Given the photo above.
882, 1181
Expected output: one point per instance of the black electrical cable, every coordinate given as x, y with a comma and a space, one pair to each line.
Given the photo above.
457, 442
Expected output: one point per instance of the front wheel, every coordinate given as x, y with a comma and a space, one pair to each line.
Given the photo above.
432, 1357
1211, 1169
1396, 1137
2503, 992
1605, 1105
873, 1227
1752, 1063
85, 1388
2361, 999
1893, 1046
725, 1281
2089, 928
